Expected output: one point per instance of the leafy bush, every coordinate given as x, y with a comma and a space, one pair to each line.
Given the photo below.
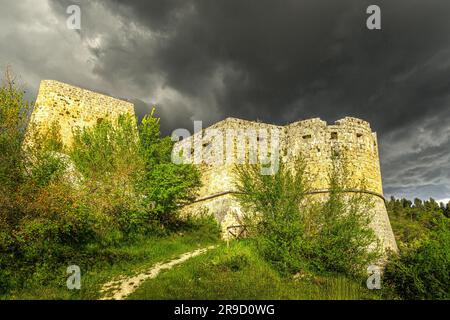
13, 117
422, 272
340, 235
165, 184
295, 233
130, 176
272, 201
109, 159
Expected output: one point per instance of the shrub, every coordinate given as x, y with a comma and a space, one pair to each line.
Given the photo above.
165, 184
129, 173
273, 213
109, 159
59, 204
341, 239
13, 117
294, 232
422, 272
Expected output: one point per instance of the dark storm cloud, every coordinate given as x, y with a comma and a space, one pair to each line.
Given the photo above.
302, 58
280, 61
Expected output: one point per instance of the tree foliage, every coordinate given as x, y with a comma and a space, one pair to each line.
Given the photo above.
296, 232
422, 229
165, 184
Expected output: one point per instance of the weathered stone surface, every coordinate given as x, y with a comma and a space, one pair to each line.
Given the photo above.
72, 107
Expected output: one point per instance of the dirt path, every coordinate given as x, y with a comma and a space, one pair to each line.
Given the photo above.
120, 288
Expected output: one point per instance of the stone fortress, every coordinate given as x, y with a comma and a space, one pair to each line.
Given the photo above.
312, 139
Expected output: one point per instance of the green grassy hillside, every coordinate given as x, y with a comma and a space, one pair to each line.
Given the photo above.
238, 272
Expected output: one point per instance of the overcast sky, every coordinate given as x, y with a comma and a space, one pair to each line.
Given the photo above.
277, 61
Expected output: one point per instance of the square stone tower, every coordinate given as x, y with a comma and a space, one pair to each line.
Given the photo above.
316, 142
70, 107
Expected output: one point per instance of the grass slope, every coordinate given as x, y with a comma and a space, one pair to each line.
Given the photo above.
238, 272
130, 259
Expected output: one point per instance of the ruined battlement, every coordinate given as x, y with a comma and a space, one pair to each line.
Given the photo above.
319, 143
218, 148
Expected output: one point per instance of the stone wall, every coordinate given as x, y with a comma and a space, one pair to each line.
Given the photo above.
71, 107
316, 142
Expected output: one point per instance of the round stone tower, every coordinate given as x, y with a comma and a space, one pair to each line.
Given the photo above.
319, 144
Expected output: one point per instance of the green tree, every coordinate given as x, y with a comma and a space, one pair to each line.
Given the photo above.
165, 184
422, 272
13, 117
108, 157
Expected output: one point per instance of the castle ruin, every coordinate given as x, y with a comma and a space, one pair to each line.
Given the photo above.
313, 140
